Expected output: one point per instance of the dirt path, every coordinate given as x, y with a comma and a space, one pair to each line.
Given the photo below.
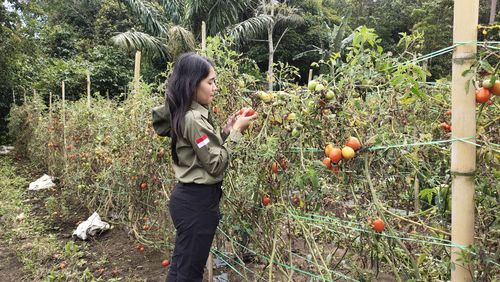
10, 266
36, 246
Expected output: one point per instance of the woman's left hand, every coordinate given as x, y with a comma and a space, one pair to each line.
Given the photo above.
230, 122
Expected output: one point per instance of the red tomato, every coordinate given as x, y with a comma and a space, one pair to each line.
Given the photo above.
165, 263
483, 95
144, 185
140, 248
266, 200
378, 225
327, 162
249, 113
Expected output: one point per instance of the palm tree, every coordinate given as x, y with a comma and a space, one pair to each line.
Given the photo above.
169, 24
270, 17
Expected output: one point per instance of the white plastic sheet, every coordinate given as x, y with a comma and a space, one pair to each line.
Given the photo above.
90, 227
5, 150
44, 182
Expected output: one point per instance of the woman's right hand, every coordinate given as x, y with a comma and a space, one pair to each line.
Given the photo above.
243, 121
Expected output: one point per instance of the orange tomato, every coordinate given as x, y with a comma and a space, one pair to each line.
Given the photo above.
328, 149
274, 167
378, 225
335, 155
496, 88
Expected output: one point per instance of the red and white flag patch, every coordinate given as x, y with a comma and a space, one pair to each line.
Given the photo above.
202, 141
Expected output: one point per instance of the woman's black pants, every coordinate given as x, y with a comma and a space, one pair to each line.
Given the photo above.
194, 209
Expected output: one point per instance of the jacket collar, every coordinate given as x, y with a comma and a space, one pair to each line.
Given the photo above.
200, 108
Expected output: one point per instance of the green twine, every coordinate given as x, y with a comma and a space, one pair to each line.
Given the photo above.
434, 142
284, 265
230, 265
448, 49
376, 148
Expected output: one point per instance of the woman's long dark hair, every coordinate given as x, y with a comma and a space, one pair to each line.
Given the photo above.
189, 70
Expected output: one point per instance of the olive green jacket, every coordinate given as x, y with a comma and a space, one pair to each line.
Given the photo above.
203, 151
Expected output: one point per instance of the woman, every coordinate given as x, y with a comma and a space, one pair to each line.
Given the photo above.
200, 156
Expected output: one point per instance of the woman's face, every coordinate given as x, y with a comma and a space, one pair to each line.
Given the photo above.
206, 89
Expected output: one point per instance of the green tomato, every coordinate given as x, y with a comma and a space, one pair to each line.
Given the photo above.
330, 95
312, 85
319, 87
487, 83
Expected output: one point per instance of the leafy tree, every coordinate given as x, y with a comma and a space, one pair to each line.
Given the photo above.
270, 17
436, 24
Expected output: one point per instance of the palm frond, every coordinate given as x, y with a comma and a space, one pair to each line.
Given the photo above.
288, 16
148, 16
180, 40
134, 40
175, 10
197, 7
250, 28
223, 14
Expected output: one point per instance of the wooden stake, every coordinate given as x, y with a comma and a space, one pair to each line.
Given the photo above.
50, 107
416, 194
210, 266
88, 89
463, 155
137, 71
49, 157
64, 125
203, 36
310, 77
13, 97
493, 11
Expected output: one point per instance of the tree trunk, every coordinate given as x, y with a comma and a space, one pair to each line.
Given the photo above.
270, 29
271, 58
493, 11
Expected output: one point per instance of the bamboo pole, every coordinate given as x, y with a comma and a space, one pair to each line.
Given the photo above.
88, 89
203, 36
310, 77
463, 155
13, 97
137, 71
210, 266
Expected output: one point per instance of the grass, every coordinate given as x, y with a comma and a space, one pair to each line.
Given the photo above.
44, 257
